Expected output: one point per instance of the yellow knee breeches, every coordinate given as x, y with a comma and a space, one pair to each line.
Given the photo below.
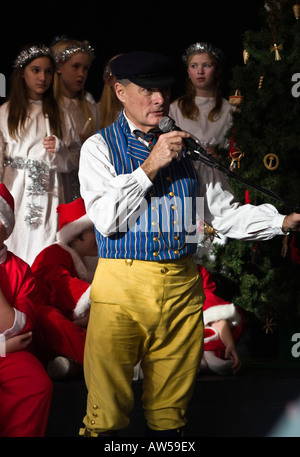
149, 311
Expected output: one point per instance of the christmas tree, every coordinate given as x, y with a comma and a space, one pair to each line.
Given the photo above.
263, 278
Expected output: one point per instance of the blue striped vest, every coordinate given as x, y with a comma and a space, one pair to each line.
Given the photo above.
159, 228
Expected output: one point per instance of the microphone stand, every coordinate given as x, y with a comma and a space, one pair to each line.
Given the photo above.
194, 155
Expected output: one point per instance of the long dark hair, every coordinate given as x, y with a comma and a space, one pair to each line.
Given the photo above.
19, 103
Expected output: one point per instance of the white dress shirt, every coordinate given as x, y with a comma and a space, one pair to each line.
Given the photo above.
107, 195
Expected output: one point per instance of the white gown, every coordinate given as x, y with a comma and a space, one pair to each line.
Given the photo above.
34, 177
206, 131
70, 180
212, 133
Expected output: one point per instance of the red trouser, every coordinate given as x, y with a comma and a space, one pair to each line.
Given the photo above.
55, 335
25, 396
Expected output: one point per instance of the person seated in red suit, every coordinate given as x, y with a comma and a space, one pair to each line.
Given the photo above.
224, 323
25, 387
63, 272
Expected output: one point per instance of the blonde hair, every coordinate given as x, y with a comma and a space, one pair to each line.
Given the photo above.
76, 47
109, 104
186, 102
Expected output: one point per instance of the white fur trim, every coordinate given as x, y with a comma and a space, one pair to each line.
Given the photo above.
218, 312
69, 231
18, 325
7, 216
216, 365
83, 304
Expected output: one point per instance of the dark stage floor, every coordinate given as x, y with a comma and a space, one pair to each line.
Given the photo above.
252, 404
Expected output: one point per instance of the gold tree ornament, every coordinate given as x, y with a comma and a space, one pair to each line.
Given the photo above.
245, 56
271, 161
261, 80
276, 49
209, 232
236, 99
236, 158
269, 324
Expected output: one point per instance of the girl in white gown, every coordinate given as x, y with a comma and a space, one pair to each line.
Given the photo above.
38, 144
202, 110
73, 60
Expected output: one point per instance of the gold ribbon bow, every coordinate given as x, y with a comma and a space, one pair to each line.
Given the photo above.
276, 48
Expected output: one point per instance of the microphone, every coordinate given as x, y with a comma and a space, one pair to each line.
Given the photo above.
193, 148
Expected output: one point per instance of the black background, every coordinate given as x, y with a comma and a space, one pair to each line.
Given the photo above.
113, 28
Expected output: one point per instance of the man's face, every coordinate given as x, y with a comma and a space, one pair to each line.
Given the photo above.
144, 107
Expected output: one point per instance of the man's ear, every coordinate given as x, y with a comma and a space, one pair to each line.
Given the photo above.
120, 91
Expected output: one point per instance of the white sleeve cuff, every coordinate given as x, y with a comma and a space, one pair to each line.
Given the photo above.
277, 223
18, 325
83, 304
142, 179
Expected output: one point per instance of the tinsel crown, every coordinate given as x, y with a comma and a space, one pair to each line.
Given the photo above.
69, 51
200, 47
31, 53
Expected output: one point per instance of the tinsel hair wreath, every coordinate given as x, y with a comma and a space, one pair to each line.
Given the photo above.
72, 221
30, 53
72, 49
200, 47
7, 216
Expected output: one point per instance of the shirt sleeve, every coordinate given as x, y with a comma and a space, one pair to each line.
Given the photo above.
66, 291
24, 299
228, 216
18, 325
59, 284
110, 199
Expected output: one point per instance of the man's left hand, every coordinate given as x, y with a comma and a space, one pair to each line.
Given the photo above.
291, 222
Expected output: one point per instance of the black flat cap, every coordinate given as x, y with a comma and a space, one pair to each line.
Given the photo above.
146, 69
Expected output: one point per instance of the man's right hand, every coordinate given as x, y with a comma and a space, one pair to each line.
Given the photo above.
168, 147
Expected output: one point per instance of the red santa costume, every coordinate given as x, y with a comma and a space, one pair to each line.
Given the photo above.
25, 388
64, 283
215, 309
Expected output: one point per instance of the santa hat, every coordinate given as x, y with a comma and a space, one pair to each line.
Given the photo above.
72, 220
7, 206
210, 334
